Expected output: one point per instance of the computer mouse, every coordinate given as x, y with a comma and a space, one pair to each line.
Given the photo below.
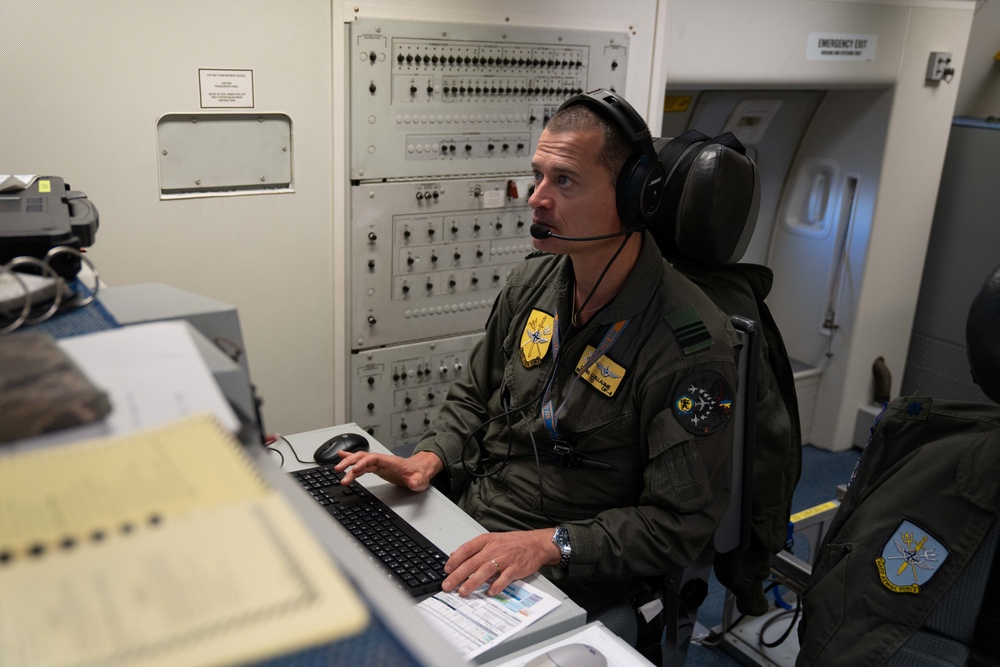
569, 655
350, 442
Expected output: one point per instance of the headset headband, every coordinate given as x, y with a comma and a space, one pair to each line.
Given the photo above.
619, 112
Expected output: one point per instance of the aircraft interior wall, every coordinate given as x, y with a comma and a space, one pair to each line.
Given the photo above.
285, 257
963, 250
881, 123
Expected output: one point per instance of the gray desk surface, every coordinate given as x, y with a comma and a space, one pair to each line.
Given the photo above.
444, 524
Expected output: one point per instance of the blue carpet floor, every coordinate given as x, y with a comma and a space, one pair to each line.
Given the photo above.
822, 471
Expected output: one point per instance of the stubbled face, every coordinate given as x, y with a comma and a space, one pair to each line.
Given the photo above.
574, 194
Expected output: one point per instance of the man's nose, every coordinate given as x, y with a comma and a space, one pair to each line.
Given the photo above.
538, 197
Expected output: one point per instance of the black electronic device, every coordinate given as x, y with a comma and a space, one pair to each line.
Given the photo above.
641, 182
44, 215
342, 442
413, 562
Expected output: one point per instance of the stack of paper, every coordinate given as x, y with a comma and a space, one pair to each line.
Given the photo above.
162, 547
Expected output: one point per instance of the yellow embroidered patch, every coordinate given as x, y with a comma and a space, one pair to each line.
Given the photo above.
535, 338
604, 374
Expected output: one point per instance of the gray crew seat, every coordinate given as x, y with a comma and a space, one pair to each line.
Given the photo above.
703, 227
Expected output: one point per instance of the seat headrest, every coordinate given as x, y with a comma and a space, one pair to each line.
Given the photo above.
982, 336
711, 199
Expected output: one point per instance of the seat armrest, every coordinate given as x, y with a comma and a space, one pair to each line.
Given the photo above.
790, 570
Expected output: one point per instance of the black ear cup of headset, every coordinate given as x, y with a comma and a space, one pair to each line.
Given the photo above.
641, 182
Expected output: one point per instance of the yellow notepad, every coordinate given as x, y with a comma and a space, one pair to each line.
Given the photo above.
162, 548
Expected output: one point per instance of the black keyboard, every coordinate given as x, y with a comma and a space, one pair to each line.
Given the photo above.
413, 562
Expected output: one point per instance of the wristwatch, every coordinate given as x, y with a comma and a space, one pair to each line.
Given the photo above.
561, 539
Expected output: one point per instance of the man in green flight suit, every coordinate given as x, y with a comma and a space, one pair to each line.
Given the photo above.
591, 436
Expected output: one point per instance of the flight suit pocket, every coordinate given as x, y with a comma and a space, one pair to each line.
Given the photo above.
678, 475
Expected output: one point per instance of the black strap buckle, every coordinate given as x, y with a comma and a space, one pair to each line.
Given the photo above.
562, 455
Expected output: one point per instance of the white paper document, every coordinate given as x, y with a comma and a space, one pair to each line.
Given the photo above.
12, 182
478, 622
153, 374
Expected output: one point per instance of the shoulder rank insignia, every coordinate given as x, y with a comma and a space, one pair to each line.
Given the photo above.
535, 338
604, 374
691, 333
916, 408
909, 559
703, 402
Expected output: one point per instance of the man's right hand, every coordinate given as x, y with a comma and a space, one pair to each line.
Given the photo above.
414, 472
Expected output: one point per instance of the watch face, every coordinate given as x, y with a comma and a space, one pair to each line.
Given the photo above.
561, 539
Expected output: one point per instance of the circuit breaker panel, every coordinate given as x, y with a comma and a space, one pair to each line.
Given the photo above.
444, 121
399, 389
441, 99
433, 255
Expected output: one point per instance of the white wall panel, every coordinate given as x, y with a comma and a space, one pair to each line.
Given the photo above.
83, 85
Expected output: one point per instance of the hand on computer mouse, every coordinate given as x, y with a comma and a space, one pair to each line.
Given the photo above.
342, 442
569, 655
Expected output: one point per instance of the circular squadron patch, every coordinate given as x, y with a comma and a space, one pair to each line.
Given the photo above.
703, 402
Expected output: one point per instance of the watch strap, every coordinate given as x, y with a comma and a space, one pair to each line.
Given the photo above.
561, 539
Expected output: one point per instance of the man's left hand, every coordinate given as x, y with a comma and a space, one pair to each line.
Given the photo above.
508, 556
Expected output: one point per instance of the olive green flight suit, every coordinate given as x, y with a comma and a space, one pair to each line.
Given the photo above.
923, 497
639, 484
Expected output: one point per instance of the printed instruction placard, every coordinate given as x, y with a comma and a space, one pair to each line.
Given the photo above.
226, 88
840, 46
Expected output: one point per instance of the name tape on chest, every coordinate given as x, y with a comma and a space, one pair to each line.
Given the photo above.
604, 374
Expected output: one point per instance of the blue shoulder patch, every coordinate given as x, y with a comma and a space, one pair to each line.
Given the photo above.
909, 559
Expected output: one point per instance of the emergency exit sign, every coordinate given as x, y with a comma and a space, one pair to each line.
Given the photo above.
838, 46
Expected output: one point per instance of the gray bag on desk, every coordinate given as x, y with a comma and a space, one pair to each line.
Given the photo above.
42, 390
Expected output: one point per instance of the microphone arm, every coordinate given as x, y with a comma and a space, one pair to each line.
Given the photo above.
542, 232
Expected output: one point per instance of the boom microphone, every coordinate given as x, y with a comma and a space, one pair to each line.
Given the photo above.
542, 232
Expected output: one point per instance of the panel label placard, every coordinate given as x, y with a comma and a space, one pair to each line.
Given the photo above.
226, 88
840, 46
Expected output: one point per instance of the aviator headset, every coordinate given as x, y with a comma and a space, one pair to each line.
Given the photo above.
641, 181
